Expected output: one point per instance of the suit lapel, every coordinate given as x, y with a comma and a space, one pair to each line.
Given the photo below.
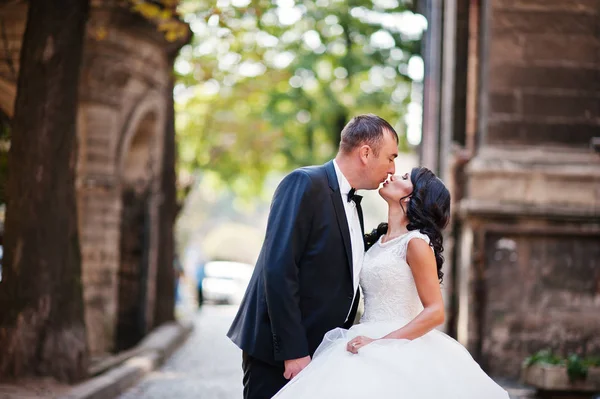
340, 213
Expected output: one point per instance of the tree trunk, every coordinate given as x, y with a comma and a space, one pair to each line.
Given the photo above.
165, 276
42, 329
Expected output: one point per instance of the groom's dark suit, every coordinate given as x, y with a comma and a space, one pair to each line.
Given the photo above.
302, 285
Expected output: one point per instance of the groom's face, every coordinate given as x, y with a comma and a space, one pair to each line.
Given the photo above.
382, 165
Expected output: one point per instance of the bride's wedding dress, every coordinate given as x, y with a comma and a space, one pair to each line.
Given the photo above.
430, 367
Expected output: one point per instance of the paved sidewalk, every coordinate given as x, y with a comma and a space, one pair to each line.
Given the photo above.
207, 366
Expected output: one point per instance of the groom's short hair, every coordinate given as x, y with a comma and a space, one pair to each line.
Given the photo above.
365, 129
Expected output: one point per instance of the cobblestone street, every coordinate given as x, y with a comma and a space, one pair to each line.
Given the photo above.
207, 366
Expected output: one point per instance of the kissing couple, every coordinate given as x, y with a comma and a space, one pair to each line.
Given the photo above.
295, 323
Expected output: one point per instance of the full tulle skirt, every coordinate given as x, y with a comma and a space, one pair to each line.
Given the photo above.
430, 367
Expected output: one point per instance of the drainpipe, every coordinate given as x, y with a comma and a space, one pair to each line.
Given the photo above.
432, 56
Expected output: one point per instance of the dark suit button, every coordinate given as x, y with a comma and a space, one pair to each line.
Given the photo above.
351, 297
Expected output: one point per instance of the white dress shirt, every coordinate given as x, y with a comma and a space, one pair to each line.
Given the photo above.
356, 236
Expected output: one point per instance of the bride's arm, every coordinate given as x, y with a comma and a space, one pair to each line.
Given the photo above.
422, 263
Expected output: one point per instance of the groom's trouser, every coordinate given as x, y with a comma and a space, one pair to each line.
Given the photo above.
261, 380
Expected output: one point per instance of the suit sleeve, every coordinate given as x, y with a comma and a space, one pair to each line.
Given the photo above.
288, 229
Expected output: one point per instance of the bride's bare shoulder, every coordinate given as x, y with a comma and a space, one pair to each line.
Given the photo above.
419, 251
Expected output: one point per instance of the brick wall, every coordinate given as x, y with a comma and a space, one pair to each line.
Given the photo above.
544, 72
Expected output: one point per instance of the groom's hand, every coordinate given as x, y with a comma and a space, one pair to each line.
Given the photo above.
294, 366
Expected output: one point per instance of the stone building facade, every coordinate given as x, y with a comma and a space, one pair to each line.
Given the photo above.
125, 90
513, 121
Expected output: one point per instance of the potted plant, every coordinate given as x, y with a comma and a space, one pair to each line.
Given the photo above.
550, 372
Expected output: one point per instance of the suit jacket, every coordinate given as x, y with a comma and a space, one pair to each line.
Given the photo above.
302, 284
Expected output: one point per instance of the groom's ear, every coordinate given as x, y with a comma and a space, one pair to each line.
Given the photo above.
365, 152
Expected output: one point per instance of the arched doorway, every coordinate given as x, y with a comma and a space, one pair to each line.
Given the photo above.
136, 178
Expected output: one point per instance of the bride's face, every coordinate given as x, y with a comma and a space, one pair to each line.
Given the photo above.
396, 187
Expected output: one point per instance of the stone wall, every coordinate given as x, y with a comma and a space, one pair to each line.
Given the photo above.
122, 123
540, 290
527, 222
544, 72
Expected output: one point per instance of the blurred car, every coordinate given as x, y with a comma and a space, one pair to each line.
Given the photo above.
225, 281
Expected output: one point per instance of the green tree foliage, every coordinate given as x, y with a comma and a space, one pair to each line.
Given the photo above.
269, 85
164, 14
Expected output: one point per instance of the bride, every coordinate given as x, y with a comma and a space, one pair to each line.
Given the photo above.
395, 352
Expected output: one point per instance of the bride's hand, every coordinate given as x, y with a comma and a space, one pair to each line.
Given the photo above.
355, 344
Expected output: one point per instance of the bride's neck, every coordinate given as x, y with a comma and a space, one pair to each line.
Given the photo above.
397, 222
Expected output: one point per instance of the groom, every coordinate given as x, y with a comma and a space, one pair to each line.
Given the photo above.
305, 282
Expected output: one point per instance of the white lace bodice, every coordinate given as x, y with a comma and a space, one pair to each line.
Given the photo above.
387, 281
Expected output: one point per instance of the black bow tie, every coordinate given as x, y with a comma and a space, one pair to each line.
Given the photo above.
352, 196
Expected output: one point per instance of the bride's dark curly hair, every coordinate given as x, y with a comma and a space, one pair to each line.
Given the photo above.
428, 211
